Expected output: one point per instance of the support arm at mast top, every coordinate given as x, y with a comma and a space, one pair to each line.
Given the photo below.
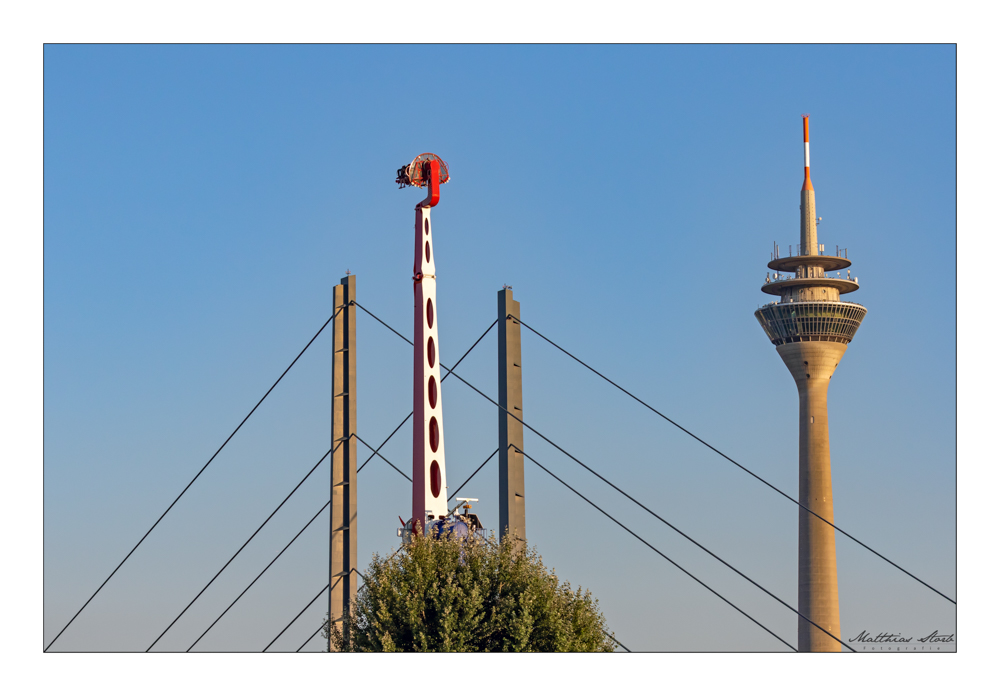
433, 185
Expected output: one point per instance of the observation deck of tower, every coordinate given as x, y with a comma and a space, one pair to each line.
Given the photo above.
810, 326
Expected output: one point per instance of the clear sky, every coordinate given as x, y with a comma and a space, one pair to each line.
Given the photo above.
200, 202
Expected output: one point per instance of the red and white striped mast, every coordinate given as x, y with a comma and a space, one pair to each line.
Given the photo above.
430, 497
809, 242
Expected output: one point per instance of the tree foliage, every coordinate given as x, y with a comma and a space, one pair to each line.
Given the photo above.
448, 595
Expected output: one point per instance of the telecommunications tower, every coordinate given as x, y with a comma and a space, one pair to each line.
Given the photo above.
811, 326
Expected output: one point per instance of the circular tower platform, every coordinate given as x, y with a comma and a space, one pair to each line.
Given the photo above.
795, 322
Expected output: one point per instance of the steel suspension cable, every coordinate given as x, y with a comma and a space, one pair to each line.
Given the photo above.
730, 459
638, 503
678, 566
481, 337
377, 449
445, 367
374, 453
705, 549
411, 480
322, 625
610, 484
200, 471
615, 640
497, 546
312, 519
364, 579
383, 458
473, 474
360, 306
239, 550
450, 372
312, 636
325, 588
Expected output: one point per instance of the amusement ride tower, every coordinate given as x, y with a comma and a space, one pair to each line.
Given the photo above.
429, 508
811, 326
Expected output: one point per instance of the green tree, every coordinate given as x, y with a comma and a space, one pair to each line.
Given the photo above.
448, 595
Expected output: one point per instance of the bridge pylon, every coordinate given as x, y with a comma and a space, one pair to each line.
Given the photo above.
511, 432
343, 456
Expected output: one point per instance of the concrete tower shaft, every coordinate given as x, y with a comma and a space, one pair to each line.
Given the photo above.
812, 364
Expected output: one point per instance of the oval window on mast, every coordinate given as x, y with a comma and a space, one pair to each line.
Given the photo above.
430, 314
434, 435
435, 479
430, 351
432, 392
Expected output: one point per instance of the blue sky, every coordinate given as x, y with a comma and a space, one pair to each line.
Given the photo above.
200, 202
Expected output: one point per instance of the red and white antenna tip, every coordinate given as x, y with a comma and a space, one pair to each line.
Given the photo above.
807, 184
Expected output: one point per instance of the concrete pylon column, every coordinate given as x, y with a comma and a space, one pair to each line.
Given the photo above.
344, 455
511, 431
812, 364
